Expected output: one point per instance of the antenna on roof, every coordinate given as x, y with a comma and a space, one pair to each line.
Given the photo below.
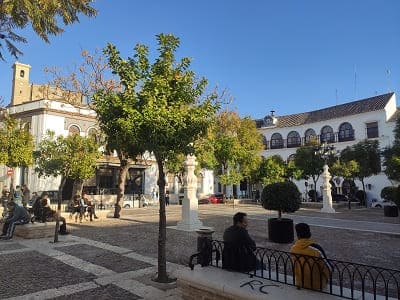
355, 82
388, 79
336, 95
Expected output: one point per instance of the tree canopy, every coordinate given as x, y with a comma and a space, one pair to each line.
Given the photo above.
237, 144
164, 110
391, 156
43, 15
16, 144
73, 157
272, 169
367, 155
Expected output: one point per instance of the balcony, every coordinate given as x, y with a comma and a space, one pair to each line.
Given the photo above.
337, 137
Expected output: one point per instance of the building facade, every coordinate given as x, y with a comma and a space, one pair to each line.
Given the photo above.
40, 108
341, 125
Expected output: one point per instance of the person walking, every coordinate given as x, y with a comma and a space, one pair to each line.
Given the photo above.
18, 195
312, 268
26, 195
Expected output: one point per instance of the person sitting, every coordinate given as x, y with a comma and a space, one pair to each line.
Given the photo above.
18, 215
312, 268
44, 207
90, 207
76, 208
238, 253
4, 200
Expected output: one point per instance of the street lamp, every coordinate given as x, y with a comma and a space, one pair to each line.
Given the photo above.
326, 151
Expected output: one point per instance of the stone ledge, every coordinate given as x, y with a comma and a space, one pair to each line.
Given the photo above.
215, 283
35, 230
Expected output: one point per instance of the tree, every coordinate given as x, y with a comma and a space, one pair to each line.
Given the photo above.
16, 146
91, 75
367, 155
43, 16
237, 145
281, 196
272, 169
310, 163
72, 157
165, 111
391, 156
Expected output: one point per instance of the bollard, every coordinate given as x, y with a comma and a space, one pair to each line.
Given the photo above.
204, 246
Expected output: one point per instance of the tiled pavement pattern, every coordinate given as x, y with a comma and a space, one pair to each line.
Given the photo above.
115, 258
77, 268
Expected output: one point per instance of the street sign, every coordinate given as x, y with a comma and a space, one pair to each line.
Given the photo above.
10, 172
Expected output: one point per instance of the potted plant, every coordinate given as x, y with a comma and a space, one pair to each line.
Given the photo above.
389, 194
282, 197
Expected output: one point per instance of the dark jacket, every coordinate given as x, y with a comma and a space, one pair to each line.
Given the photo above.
238, 250
19, 213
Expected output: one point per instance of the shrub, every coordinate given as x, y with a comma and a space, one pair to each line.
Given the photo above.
361, 196
282, 197
389, 193
397, 198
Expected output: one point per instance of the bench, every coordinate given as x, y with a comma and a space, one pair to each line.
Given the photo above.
214, 283
35, 230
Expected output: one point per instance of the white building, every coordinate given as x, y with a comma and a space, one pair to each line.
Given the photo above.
41, 108
341, 125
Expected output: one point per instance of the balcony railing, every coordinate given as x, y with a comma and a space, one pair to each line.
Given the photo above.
344, 279
337, 137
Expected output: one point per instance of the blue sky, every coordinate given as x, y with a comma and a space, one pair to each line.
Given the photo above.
289, 56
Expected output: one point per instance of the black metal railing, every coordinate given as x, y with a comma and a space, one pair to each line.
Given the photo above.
340, 278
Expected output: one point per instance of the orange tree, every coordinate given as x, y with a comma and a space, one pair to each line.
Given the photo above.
163, 108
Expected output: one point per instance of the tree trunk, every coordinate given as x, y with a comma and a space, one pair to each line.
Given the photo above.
77, 187
365, 193
60, 189
315, 190
162, 227
123, 170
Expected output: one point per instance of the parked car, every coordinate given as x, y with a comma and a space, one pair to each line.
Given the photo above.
204, 201
216, 198
381, 203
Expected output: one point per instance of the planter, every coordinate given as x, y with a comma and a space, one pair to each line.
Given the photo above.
391, 211
280, 230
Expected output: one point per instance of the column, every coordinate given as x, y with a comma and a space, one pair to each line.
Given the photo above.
326, 192
190, 220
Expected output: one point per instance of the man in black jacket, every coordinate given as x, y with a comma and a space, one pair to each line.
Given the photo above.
18, 215
238, 253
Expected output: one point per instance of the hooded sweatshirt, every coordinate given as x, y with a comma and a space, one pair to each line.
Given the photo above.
312, 269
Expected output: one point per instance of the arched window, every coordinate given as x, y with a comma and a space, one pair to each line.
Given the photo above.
92, 132
276, 141
346, 132
327, 134
309, 135
73, 129
293, 139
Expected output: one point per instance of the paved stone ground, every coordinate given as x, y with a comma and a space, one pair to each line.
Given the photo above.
116, 259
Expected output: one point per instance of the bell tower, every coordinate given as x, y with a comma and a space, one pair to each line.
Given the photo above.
21, 88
